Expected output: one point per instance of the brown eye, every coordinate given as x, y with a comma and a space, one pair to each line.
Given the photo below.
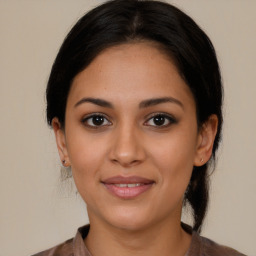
160, 120
96, 121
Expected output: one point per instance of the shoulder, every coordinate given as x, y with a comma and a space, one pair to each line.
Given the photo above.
206, 247
71, 247
63, 249
210, 248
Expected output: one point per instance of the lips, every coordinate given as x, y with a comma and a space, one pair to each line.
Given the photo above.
127, 187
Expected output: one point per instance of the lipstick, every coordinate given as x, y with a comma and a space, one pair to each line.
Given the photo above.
127, 187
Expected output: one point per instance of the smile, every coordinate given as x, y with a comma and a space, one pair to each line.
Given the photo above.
127, 187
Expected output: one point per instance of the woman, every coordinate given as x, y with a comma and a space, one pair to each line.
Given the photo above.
134, 98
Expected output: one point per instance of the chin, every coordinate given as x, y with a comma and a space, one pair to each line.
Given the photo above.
130, 225
129, 220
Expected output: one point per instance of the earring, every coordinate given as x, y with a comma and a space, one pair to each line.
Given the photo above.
201, 160
65, 170
65, 163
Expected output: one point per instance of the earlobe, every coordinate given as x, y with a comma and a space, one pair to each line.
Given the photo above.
61, 142
206, 139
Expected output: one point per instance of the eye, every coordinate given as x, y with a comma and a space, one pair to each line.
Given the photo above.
96, 120
160, 120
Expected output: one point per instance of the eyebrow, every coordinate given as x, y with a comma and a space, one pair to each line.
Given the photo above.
99, 102
156, 101
143, 104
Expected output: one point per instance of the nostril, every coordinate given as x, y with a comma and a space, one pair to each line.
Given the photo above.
126, 162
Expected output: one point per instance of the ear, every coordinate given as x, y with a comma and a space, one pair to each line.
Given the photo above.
206, 139
61, 142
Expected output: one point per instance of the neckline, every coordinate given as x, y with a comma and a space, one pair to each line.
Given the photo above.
80, 248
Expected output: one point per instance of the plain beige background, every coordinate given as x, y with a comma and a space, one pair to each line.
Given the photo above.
37, 211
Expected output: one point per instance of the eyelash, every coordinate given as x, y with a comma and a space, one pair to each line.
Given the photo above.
86, 119
167, 118
170, 119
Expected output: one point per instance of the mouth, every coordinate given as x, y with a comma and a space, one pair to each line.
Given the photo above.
127, 187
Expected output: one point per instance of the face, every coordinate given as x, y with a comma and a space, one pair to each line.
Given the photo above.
131, 137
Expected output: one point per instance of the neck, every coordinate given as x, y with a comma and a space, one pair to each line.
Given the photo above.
161, 239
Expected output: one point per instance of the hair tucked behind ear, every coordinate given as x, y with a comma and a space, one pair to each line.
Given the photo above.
121, 21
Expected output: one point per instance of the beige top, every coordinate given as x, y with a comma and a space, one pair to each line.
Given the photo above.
200, 246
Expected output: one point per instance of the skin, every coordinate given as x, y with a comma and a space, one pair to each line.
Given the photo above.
130, 142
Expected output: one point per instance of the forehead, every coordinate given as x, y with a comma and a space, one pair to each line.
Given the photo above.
130, 71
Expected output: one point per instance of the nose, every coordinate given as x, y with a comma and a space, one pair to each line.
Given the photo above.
127, 147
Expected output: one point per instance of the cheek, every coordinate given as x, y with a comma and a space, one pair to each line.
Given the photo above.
176, 149
174, 158
86, 157
85, 170
84, 149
